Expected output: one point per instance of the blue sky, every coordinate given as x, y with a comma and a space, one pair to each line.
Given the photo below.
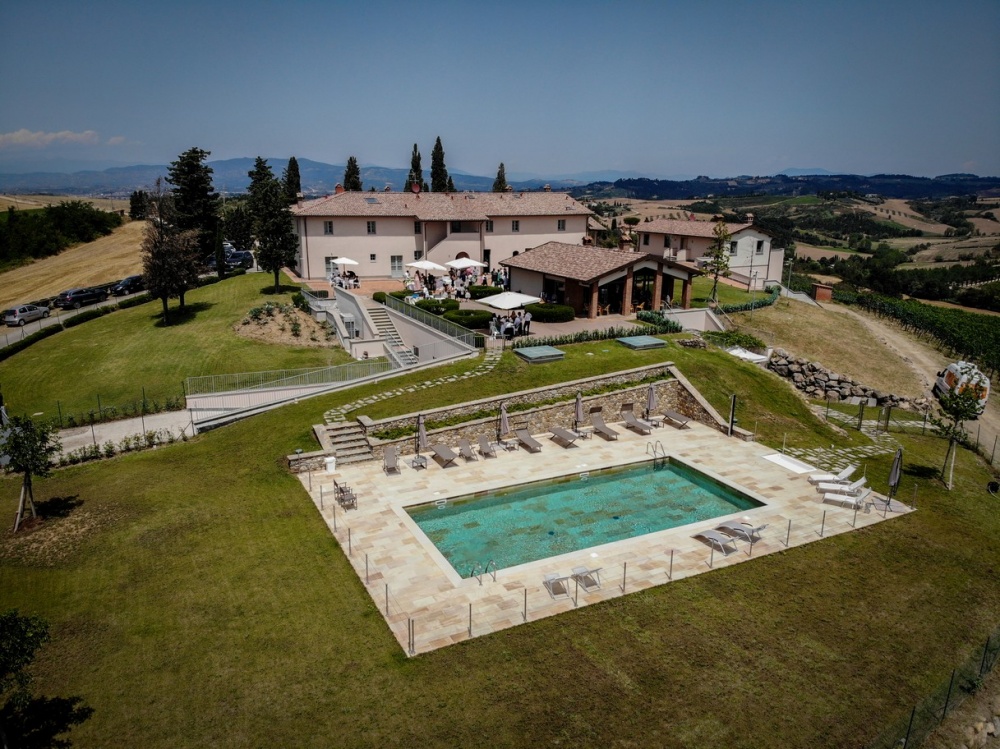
659, 88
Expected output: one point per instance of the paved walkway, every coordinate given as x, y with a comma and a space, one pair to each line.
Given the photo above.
115, 431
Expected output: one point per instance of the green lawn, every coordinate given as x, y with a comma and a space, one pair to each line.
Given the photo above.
197, 599
115, 356
702, 292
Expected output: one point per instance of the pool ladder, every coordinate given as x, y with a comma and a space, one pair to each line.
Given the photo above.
479, 571
657, 450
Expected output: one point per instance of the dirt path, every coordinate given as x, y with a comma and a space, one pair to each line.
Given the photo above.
926, 361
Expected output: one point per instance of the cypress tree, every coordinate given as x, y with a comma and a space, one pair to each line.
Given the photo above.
292, 181
439, 173
416, 175
500, 183
352, 176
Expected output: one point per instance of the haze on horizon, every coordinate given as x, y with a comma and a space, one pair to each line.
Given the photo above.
659, 89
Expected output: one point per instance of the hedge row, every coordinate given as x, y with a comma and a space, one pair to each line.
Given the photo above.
658, 321
8, 351
550, 312
478, 292
766, 301
473, 319
581, 337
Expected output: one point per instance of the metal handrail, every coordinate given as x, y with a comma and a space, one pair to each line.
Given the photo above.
487, 569
242, 381
450, 329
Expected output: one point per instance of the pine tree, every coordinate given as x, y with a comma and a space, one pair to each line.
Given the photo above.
292, 181
439, 173
352, 176
137, 205
195, 202
416, 175
500, 183
277, 244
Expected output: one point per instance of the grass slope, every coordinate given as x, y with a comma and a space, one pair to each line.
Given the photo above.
197, 599
117, 355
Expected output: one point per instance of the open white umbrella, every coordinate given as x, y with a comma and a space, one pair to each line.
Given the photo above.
425, 265
344, 261
509, 300
464, 262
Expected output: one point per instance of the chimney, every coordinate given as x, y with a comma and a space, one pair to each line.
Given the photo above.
546, 188
749, 218
338, 189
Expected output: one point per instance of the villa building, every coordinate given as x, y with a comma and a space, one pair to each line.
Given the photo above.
752, 260
385, 231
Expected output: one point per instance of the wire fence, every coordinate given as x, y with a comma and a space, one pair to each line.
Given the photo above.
909, 731
280, 378
103, 410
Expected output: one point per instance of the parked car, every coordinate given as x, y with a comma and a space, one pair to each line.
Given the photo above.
128, 285
240, 259
76, 298
23, 314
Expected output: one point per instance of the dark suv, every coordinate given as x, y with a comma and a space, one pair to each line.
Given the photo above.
76, 298
240, 259
128, 285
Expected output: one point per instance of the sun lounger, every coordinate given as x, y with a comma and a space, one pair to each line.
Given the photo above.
466, 450
679, 421
564, 436
390, 460
634, 423
526, 440
599, 426
444, 454
736, 529
840, 478
587, 578
832, 486
556, 585
485, 448
717, 541
847, 500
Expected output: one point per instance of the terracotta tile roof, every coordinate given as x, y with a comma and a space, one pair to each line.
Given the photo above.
687, 228
437, 206
574, 261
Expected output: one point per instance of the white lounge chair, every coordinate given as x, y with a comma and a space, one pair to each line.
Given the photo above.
841, 478
557, 585
832, 486
717, 541
587, 578
736, 529
851, 502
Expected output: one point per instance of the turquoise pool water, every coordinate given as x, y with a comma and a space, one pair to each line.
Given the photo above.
535, 521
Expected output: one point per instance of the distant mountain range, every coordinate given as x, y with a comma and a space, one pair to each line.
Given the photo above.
318, 178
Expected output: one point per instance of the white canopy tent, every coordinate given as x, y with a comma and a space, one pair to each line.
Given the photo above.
509, 300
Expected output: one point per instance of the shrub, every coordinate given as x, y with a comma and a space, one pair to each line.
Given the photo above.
28, 340
550, 312
474, 319
766, 301
90, 314
729, 338
402, 294
438, 306
299, 300
658, 322
581, 337
135, 301
379, 296
478, 292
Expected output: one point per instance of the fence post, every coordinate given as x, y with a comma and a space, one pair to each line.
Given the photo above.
910, 727
788, 535
525, 615
711, 557
822, 526
100, 409
349, 550
947, 697
624, 572
670, 573
366, 569
321, 498
470, 618
59, 409
986, 650
992, 455
387, 599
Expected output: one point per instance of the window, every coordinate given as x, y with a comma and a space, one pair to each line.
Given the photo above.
561, 225
455, 227
645, 239
732, 248
417, 254
396, 266
372, 258
515, 225
760, 246
666, 241
328, 227
416, 227
489, 226
371, 227
486, 256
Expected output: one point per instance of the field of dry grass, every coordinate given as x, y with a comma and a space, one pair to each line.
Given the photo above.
106, 259
820, 335
26, 202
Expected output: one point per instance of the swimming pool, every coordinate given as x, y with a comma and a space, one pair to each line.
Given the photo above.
544, 519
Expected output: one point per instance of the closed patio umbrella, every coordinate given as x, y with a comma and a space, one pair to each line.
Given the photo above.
578, 413
650, 400
895, 473
504, 427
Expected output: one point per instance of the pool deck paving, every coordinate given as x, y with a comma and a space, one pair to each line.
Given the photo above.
426, 603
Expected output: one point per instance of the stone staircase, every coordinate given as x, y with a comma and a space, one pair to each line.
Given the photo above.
349, 443
384, 326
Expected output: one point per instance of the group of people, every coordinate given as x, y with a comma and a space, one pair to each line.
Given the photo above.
346, 280
455, 285
511, 325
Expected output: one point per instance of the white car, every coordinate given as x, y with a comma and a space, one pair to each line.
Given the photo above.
24, 313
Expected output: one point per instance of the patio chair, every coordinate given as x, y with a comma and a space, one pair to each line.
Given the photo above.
587, 578
556, 585
840, 478
634, 423
444, 454
599, 426
466, 450
848, 500
527, 441
485, 448
390, 460
565, 437
743, 531
678, 421
717, 541
345, 497
838, 488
